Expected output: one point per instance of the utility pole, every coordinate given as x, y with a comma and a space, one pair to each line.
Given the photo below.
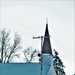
41, 37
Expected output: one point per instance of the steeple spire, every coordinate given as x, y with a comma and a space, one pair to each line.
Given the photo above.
46, 48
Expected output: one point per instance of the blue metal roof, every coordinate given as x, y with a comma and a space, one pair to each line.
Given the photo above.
22, 69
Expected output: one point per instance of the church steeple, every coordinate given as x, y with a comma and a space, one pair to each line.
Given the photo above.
46, 48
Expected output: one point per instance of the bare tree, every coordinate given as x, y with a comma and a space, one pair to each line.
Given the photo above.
6, 49
4, 43
30, 54
15, 46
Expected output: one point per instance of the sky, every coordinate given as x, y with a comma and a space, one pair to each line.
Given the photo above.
28, 19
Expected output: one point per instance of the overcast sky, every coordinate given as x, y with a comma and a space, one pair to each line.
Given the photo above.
28, 19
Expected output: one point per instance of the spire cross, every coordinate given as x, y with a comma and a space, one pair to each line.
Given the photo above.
41, 37
46, 20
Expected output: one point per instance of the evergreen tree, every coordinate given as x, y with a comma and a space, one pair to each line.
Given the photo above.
58, 64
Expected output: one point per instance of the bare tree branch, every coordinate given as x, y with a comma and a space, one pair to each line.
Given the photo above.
15, 46
30, 54
4, 41
6, 49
